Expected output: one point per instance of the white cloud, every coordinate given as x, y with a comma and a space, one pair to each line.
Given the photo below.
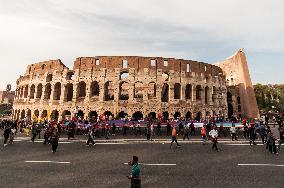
205, 30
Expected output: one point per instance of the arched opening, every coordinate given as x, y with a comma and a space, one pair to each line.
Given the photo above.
165, 76
81, 89
36, 113
66, 114
165, 115
109, 91
123, 91
230, 110
165, 93
188, 115
49, 78
23, 114
39, 91
229, 97
47, 91
177, 115
68, 92
108, 113
198, 116
95, 89
121, 114
93, 115
26, 91
57, 91
138, 90
239, 108
123, 75
152, 90
239, 100
32, 92
188, 91
54, 115
206, 94
44, 114
29, 114
69, 76
43, 66
198, 92
208, 114
214, 94
137, 116
80, 114
152, 115
177, 91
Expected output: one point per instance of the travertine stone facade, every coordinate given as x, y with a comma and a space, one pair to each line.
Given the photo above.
121, 84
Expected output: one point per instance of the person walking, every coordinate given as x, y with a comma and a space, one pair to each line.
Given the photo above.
91, 134
46, 135
192, 129
135, 173
174, 137
252, 134
6, 134
263, 134
113, 129
214, 135
186, 131
234, 132
12, 134
159, 128
34, 132
204, 134
54, 139
222, 130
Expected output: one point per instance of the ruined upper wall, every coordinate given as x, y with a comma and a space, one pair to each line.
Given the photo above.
237, 74
45, 66
139, 63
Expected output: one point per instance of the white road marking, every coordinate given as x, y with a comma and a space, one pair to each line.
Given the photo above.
243, 144
145, 164
276, 165
56, 162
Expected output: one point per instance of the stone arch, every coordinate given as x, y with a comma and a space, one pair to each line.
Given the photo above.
152, 90
137, 116
207, 113
165, 76
188, 115
239, 100
108, 113
198, 116
198, 92
39, 91
188, 91
123, 91
109, 91
49, 78
138, 90
36, 113
26, 91
214, 94
177, 115
93, 115
206, 95
81, 89
122, 114
29, 114
66, 114
95, 89
54, 115
81, 114
165, 93
177, 91
68, 92
47, 91
57, 91
165, 115
44, 114
32, 91
152, 115
23, 114
123, 75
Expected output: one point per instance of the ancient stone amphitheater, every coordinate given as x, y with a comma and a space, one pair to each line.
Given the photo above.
120, 85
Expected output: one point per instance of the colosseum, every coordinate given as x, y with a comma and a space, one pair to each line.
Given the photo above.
136, 86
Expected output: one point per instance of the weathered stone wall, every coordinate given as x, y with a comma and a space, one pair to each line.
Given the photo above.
237, 74
121, 83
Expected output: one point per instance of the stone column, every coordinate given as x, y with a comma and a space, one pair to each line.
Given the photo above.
52, 91
75, 89
102, 92
131, 91
171, 92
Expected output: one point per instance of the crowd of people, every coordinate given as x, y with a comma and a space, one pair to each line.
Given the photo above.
108, 127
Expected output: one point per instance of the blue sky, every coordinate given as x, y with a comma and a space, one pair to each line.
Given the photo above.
205, 30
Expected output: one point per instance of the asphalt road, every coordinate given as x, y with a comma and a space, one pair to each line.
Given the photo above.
102, 166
